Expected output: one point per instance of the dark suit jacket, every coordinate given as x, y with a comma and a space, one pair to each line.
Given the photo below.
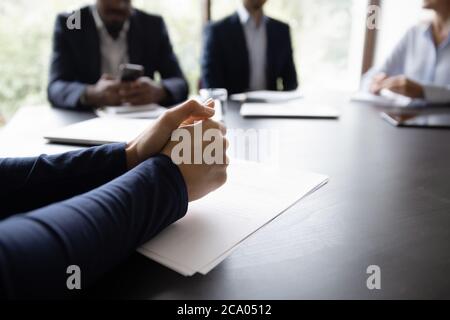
76, 57
85, 210
225, 62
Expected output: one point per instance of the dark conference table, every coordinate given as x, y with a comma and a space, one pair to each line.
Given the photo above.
387, 204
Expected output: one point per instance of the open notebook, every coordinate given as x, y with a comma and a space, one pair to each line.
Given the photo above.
214, 226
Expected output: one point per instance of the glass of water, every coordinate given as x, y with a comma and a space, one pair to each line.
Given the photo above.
218, 95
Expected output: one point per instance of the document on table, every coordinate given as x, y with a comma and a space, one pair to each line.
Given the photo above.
149, 111
293, 109
214, 226
267, 96
387, 98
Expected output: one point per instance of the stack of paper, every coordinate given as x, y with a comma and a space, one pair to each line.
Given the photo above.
150, 111
267, 96
294, 109
253, 196
386, 98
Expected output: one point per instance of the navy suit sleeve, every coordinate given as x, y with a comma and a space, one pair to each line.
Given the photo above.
63, 91
30, 183
212, 70
94, 231
172, 77
289, 73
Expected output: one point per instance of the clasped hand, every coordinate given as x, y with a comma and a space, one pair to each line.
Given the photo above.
397, 84
200, 178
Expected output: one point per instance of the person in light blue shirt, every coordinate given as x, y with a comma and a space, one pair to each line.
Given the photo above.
419, 66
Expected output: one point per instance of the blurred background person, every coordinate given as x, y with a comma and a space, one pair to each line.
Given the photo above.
419, 66
85, 62
248, 51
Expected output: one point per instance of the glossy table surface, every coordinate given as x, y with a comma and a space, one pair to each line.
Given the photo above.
387, 204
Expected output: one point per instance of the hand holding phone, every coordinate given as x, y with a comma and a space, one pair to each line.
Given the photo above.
131, 72
136, 89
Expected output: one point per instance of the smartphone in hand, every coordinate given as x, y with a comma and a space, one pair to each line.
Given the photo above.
131, 72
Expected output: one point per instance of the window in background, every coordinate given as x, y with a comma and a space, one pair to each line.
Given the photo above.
183, 19
25, 44
328, 38
26, 29
327, 34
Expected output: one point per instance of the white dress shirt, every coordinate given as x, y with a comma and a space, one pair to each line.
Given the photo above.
417, 57
113, 52
256, 37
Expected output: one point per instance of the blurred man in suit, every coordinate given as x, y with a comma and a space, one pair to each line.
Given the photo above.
248, 51
419, 67
85, 62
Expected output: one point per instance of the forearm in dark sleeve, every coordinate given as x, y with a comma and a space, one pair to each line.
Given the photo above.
177, 89
30, 183
94, 231
67, 94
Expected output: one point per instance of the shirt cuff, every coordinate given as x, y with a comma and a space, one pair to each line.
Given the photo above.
82, 100
436, 94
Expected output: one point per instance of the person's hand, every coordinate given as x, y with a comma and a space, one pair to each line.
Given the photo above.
105, 92
209, 171
404, 86
201, 178
142, 91
377, 81
155, 138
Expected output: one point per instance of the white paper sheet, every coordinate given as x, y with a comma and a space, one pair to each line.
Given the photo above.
294, 109
386, 98
267, 96
253, 196
150, 111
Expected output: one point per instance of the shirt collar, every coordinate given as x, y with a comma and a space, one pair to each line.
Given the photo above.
245, 17
101, 26
427, 29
